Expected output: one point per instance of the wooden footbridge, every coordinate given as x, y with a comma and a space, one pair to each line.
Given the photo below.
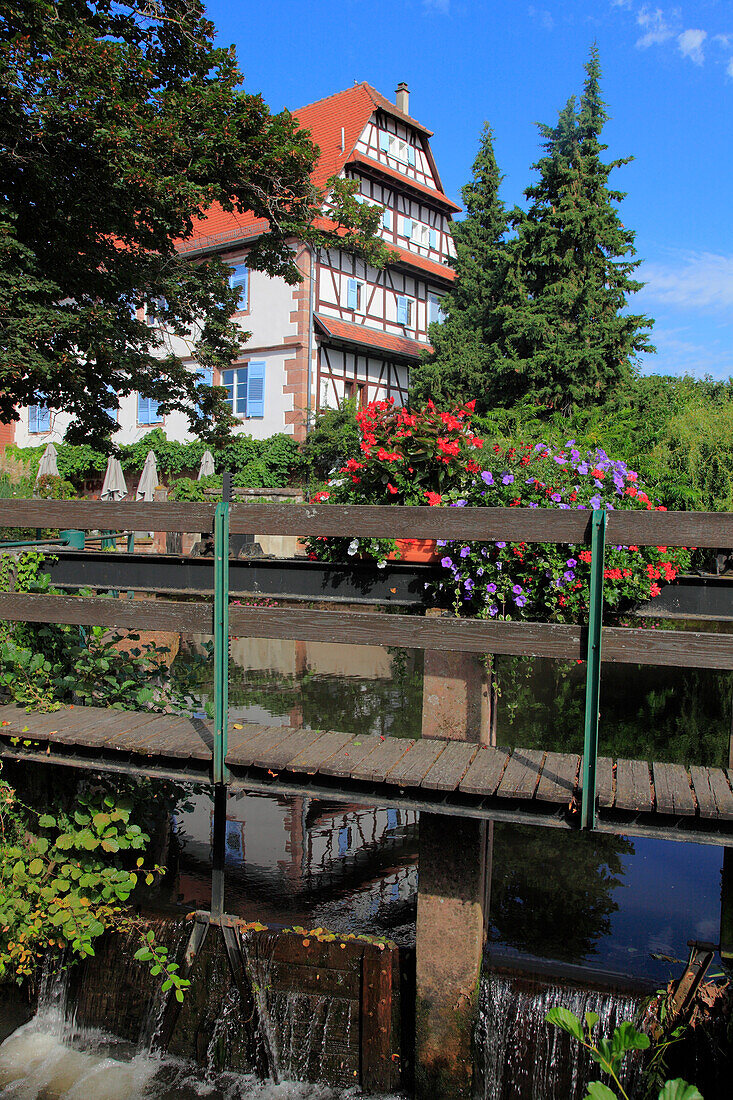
431, 774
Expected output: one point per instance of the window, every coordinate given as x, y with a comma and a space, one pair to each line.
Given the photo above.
384, 141
39, 418
420, 234
147, 410
354, 294
435, 313
357, 390
411, 155
433, 237
404, 311
245, 388
387, 219
239, 280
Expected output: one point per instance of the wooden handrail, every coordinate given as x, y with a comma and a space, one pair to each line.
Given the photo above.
636, 528
622, 645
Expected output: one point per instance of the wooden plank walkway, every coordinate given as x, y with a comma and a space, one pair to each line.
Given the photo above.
448, 777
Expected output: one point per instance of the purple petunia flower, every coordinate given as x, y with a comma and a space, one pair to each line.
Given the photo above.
521, 601
487, 477
583, 468
491, 588
465, 551
569, 575
493, 610
517, 590
446, 562
500, 545
595, 501
507, 479
572, 562
556, 497
468, 585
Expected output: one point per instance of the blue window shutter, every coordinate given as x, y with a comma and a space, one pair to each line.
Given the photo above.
206, 375
256, 389
239, 279
147, 410
411, 155
33, 418
402, 311
387, 219
384, 141
406, 227
433, 238
352, 296
44, 419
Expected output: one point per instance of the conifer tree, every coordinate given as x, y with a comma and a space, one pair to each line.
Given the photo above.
464, 346
566, 336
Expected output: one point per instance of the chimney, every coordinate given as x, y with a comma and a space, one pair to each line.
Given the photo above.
402, 98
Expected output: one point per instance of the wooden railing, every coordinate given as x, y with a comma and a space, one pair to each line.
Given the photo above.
624, 645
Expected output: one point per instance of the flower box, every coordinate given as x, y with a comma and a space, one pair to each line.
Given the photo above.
415, 550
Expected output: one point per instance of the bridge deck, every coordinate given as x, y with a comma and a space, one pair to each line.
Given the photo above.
450, 777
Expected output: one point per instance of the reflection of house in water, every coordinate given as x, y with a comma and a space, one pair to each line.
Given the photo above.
355, 688
298, 859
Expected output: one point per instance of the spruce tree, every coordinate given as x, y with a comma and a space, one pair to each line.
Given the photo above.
567, 339
464, 345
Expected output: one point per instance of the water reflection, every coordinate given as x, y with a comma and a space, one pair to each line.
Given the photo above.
299, 860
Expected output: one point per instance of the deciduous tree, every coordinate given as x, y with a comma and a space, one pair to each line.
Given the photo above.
120, 124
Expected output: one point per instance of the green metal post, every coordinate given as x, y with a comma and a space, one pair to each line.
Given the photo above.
221, 639
593, 669
74, 539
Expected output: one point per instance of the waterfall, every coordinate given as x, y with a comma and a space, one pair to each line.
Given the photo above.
522, 1057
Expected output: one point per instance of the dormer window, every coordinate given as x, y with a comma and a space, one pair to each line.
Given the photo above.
396, 147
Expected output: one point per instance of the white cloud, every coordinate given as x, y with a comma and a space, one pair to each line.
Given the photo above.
702, 281
440, 6
729, 70
690, 45
541, 16
723, 40
656, 26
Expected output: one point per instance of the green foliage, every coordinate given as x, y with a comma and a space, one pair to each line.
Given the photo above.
157, 956
186, 489
332, 440
609, 1054
47, 665
255, 475
120, 125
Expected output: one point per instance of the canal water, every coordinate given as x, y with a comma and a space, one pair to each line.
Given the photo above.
593, 923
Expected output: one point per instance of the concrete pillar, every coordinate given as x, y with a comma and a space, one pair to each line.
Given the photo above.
456, 697
452, 909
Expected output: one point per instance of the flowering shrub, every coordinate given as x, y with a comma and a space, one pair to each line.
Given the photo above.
406, 458
549, 581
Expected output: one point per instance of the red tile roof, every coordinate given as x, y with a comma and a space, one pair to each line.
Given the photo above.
350, 109
438, 197
412, 259
371, 338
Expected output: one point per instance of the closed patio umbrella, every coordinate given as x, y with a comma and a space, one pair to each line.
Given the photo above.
207, 465
114, 486
148, 479
48, 467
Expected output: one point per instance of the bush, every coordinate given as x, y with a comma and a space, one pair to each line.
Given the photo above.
333, 439
256, 475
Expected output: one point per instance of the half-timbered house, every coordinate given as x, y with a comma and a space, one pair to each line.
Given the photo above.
348, 329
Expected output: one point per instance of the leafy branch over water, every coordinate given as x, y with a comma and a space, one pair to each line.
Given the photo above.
610, 1053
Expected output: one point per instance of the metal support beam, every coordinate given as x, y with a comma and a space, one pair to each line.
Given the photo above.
221, 640
218, 850
593, 669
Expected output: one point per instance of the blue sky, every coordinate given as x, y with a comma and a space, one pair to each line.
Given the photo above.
667, 80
